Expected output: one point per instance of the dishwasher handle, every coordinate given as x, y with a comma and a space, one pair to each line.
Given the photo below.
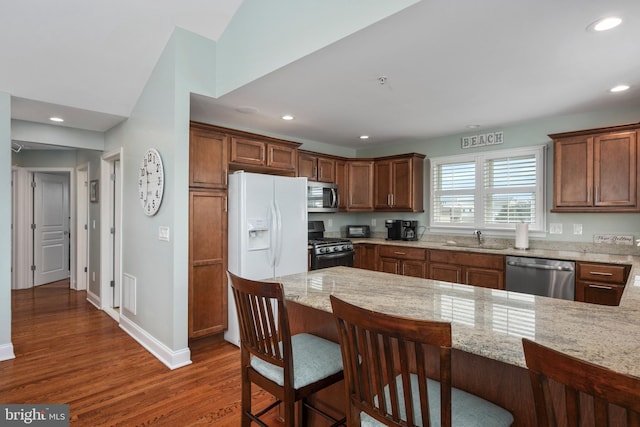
539, 266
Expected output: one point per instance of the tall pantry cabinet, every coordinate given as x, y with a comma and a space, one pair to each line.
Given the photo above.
207, 231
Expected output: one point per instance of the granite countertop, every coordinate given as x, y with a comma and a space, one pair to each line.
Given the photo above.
488, 322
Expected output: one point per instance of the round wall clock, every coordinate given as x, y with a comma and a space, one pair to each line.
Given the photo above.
151, 182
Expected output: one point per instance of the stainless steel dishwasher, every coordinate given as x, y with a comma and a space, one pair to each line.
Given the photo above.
539, 276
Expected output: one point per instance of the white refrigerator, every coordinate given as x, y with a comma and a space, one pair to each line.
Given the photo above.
267, 231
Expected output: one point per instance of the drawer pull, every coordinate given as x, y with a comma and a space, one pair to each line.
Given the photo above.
399, 253
608, 288
600, 273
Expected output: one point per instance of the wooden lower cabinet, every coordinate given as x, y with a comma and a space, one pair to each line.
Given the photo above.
207, 262
365, 256
600, 283
468, 268
402, 260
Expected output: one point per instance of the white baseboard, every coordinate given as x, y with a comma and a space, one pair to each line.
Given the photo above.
93, 299
6, 352
172, 359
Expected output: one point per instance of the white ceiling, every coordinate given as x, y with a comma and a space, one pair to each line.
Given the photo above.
447, 65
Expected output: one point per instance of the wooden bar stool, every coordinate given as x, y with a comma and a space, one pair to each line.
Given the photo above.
388, 356
289, 367
576, 377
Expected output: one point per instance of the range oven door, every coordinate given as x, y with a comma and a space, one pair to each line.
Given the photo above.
332, 260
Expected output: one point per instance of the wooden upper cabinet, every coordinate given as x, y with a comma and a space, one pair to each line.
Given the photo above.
255, 154
399, 183
360, 186
207, 158
596, 170
342, 181
248, 152
282, 157
316, 168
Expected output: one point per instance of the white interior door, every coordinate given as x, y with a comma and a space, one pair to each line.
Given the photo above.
51, 228
82, 229
115, 227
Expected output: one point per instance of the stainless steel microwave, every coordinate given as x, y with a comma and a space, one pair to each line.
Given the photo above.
322, 197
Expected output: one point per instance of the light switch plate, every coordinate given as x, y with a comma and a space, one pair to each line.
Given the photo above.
555, 228
577, 228
163, 233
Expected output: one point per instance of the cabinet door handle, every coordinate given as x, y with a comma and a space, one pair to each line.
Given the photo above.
392, 200
608, 288
400, 253
600, 273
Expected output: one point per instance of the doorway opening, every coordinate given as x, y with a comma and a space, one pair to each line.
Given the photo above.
110, 233
42, 250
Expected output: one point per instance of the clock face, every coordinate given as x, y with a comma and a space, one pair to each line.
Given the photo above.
151, 182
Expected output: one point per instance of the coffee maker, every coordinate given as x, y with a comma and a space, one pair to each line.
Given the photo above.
409, 230
394, 229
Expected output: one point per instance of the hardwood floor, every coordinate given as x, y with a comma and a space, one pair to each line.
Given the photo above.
67, 351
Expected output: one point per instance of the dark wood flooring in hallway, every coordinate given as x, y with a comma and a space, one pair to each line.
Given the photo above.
67, 351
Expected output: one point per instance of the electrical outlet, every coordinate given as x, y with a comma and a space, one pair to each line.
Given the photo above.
373, 222
555, 228
330, 222
577, 228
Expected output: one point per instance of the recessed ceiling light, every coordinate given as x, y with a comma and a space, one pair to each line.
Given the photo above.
287, 117
473, 126
364, 137
604, 24
619, 88
56, 119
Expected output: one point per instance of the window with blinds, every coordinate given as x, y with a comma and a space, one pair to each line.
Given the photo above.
492, 190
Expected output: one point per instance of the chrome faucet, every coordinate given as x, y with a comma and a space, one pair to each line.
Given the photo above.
478, 234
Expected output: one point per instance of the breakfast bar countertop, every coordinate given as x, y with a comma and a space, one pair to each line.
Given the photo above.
489, 322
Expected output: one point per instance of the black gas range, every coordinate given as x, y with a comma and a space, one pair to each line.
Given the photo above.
328, 251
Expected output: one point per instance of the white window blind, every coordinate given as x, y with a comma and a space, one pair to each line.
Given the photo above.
492, 190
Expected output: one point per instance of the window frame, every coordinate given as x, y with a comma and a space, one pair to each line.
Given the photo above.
479, 193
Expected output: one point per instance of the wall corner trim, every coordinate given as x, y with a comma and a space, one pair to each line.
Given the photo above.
172, 359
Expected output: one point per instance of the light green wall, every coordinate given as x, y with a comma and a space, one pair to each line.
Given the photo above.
5, 223
56, 135
525, 134
264, 36
160, 120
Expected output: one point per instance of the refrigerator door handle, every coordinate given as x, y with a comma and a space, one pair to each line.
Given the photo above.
273, 244
278, 234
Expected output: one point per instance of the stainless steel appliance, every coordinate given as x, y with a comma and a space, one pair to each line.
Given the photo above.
398, 229
358, 231
409, 230
328, 251
394, 229
322, 197
544, 277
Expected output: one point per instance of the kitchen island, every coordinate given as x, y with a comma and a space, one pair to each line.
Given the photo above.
487, 325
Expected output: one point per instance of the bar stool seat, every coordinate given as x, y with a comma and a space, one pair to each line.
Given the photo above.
314, 358
466, 409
